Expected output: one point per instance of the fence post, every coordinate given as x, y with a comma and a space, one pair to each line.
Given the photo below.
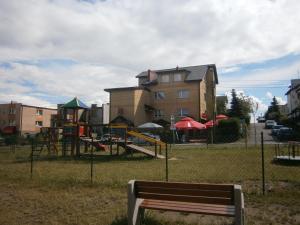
31, 159
263, 162
246, 134
92, 160
167, 166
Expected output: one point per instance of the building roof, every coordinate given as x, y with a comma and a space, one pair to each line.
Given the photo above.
38, 107
75, 103
193, 72
126, 88
295, 87
24, 105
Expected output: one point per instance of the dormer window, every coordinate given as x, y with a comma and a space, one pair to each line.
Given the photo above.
165, 78
177, 77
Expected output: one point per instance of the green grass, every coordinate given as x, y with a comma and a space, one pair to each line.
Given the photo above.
60, 191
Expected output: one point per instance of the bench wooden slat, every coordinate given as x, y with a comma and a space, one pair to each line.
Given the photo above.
189, 204
189, 208
212, 187
185, 198
189, 192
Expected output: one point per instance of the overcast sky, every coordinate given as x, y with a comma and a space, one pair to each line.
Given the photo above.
53, 50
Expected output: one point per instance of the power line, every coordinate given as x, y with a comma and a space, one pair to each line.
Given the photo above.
232, 86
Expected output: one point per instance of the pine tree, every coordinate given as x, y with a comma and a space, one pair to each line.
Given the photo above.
235, 105
274, 105
240, 106
273, 112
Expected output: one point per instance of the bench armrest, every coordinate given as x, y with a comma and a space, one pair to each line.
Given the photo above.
239, 205
133, 207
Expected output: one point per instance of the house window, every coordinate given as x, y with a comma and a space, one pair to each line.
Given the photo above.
39, 123
159, 95
158, 113
165, 78
177, 77
11, 122
183, 94
183, 112
39, 112
12, 111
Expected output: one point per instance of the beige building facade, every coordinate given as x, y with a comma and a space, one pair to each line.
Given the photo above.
24, 118
178, 92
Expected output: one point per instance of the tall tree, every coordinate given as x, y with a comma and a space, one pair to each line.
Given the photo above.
240, 106
274, 105
235, 105
273, 112
221, 104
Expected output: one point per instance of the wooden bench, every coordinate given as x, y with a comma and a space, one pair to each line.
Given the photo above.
210, 199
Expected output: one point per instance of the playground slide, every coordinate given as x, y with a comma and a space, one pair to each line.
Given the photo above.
146, 138
99, 146
144, 150
96, 144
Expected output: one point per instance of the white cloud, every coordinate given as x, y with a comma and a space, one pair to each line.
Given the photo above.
268, 78
86, 81
269, 95
279, 99
229, 69
140, 34
112, 41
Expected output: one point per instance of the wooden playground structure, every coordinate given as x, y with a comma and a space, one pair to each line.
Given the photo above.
77, 132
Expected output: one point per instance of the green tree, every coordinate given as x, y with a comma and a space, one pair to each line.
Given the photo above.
221, 104
240, 106
235, 105
273, 112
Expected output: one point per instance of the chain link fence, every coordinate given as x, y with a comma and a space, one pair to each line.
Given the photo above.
267, 170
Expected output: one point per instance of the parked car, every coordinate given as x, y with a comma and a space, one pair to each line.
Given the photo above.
275, 129
285, 134
269, 124
261, 119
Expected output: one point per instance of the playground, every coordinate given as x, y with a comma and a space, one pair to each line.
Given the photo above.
60, 191
73, 174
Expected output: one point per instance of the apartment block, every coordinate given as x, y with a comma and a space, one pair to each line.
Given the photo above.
293, 99
17, 117
99, 115
160, 94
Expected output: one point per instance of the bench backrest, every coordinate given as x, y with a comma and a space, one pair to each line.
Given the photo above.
222, 194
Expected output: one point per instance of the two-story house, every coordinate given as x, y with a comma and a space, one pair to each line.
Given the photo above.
160, 94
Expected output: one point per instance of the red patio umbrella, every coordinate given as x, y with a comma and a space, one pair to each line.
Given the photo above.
188, 123
221, 117
211, 123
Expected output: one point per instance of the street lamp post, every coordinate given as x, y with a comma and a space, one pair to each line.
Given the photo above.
172, 127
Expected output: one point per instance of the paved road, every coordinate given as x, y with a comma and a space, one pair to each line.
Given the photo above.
268, 139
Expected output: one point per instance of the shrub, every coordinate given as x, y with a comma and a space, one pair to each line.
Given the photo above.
228, 130
11, 139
